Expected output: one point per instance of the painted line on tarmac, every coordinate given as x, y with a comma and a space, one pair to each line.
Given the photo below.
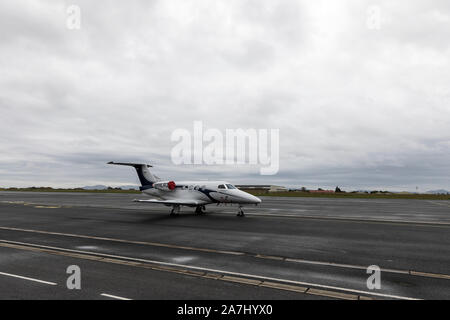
223, 275
47, 207
37, 205
357, 220
114, 297
430, 275
155, 244
235, 253
12, 202
27, 278
439, 203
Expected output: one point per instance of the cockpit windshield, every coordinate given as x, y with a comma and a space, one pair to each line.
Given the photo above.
230, 186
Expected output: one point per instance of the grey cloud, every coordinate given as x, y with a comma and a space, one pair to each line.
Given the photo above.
354, 106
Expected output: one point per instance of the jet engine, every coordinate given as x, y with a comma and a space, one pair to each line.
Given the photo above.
165, 185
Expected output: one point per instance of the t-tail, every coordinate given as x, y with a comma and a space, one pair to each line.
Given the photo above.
145, 176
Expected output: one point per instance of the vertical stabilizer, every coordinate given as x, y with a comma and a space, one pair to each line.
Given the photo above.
145, 176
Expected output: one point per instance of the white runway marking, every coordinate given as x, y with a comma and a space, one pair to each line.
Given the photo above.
353, 219
113, 297
440, 203
27, 278
87, 247
183, 259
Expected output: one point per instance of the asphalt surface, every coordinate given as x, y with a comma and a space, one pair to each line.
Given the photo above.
286, 248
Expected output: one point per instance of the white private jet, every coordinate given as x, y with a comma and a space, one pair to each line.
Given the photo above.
189, 193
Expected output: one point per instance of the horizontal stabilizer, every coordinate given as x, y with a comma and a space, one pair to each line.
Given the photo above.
130, 164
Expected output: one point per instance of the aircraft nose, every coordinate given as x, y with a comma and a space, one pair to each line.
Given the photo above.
248, 198
252, 199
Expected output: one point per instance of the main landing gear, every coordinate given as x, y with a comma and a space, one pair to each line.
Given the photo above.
200, 210
240, 212
175, 210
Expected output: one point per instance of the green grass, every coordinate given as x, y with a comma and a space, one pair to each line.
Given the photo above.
44, 189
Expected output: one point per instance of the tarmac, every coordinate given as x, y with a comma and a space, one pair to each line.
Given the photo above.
285, 248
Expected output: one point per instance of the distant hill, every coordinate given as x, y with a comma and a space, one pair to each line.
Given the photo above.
439, 191
97, 187
103, 187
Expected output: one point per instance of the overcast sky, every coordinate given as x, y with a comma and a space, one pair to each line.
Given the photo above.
358, 89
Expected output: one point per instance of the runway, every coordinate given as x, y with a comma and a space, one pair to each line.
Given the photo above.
286, 248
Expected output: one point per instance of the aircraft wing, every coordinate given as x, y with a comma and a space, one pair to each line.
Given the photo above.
182, 202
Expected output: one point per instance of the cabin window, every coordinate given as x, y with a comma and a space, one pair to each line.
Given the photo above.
230, 186
221, 186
